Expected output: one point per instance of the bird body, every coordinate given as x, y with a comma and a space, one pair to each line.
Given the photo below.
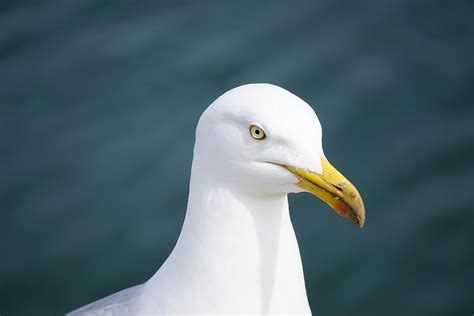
237, 251
235, 254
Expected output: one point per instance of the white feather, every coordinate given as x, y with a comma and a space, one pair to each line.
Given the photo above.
237, 251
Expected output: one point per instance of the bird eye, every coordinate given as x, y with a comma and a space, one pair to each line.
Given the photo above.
257, 132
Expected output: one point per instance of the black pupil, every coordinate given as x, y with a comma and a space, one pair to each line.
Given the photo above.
257, 131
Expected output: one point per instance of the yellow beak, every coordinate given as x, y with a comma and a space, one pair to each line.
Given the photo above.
334, 189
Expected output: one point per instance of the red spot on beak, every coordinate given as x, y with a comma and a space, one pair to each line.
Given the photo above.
342, 209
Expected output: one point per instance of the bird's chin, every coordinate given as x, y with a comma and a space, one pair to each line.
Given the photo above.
264, 178
279, 179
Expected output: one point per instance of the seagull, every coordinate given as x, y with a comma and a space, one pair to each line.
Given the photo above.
237, 251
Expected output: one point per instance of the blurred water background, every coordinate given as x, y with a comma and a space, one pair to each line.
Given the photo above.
100, 99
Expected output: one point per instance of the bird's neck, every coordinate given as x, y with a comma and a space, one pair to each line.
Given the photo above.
236, 252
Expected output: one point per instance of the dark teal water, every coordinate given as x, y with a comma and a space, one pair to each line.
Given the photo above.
99, 101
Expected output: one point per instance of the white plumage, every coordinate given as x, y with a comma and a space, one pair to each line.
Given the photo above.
237, 251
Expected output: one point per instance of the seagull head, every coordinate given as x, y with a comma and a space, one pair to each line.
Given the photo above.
263, 140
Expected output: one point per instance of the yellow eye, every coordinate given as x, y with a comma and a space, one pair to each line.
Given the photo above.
257, 132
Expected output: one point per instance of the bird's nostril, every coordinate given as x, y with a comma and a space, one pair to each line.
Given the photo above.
338, 187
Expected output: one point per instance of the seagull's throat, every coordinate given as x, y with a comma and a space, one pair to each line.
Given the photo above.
239, 252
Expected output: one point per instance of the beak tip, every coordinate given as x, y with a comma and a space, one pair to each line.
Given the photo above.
360, 216
360, 219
